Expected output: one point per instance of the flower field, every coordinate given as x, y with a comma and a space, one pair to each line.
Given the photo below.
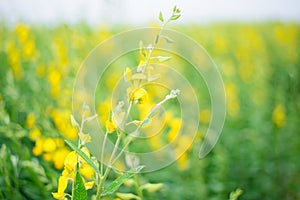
258, 150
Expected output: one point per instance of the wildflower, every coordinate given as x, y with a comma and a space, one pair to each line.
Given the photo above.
175, 125
138, 95
34, 134
14, 61
71, 161
28, 49
279, 115
62, 185
86, 170
30, 120
23, 32
49, 145
63, 124
89, 185
233, 100
48, 157
59, 157
110, 126
54, 79
38, 148
59, 142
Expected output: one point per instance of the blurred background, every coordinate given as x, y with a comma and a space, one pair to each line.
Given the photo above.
255, 45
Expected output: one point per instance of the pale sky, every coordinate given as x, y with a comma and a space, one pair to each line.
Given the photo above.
139, 12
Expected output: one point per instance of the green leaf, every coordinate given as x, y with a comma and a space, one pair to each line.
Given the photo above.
83, 155
156, 39
174, 8
174, 17
79, 188
114, 186
234, 195
161, 18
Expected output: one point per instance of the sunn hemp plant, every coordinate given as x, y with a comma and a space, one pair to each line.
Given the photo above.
82, 171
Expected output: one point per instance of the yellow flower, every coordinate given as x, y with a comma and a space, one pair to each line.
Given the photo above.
34, 134
183, 162
38, 148
110, 126
54, 79
175, 125
23, 32
89, 185
59, 142
86, 170
49, 145
233, 104
279, 115
59, 157
68, 174
71, 161
139, 95
62, 185
48, 157
30, 120
28, 49
63, 124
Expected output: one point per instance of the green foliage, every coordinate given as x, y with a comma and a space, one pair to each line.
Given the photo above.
22, 179
234, 195
79, 189
114, 186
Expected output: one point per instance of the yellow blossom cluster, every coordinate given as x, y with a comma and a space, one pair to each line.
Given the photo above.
72, 163
61, 119
52, 149
21, 50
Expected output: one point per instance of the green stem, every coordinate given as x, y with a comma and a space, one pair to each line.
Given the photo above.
100, 188
103, 178
102, 153
115, 149
154, 46
127, 114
